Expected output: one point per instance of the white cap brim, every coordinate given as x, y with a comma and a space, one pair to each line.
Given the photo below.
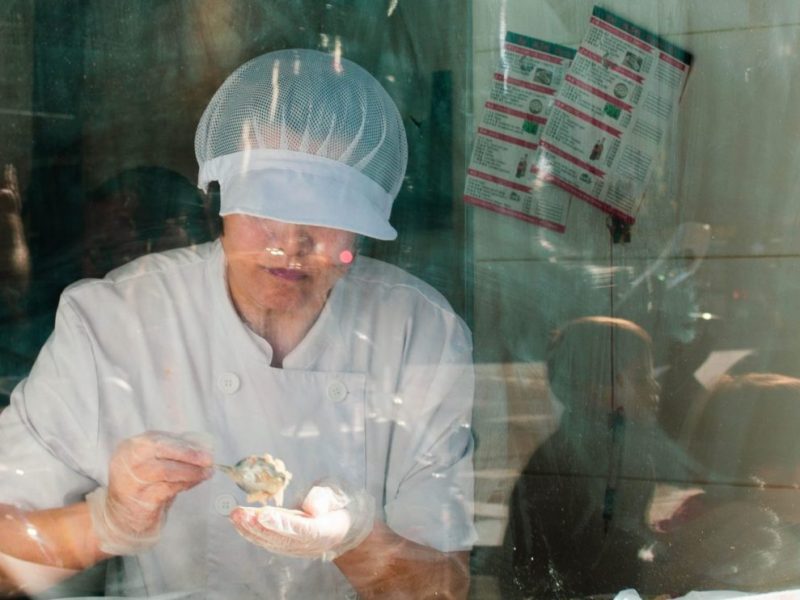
295, 187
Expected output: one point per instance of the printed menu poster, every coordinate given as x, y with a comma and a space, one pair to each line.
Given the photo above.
611, 114
501, 175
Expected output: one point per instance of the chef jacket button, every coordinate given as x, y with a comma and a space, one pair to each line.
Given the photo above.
337, 391
228, 383
224, 504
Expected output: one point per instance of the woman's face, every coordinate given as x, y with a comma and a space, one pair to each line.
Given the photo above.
281, 268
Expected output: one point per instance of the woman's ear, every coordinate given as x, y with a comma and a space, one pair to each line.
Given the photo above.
358, 244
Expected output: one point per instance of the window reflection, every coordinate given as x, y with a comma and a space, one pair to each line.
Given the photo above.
584, 483
16, 349
139, 211
738, 527
578, 513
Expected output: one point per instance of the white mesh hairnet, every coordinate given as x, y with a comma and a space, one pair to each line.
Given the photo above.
304, 137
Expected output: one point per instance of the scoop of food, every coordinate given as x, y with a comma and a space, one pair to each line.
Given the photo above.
262, 477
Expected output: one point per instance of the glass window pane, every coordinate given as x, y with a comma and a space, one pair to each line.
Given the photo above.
493, 298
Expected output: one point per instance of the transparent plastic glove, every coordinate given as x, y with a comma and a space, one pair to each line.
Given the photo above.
329, 523
145, 474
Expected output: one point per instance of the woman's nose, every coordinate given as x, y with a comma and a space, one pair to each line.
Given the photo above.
291, 240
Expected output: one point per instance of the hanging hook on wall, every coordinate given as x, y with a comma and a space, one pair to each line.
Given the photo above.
620, 230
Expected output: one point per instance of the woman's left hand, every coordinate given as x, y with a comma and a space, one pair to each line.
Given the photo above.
329, 523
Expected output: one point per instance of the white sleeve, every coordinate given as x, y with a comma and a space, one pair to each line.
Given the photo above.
430, 467
48, 435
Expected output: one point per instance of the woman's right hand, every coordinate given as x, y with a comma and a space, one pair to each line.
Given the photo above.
145, 474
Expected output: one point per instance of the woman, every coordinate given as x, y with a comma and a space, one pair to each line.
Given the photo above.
276, 338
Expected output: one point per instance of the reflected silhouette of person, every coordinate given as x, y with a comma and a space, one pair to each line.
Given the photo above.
578, 510
742, 531
140, 211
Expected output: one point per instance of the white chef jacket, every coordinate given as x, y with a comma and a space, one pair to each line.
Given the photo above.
378, 394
